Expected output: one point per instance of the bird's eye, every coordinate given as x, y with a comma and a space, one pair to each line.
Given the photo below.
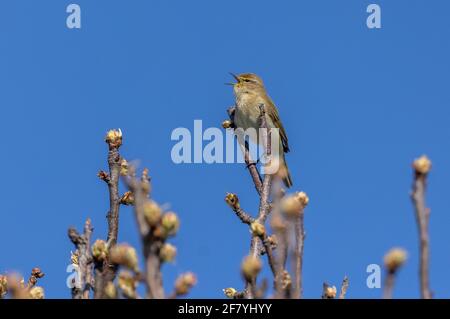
247, 80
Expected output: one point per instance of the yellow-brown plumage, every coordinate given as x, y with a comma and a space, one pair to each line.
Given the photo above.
250, 93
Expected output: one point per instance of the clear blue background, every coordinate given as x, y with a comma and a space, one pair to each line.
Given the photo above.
358, 106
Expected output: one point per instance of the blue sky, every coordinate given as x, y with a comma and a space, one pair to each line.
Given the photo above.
358, 106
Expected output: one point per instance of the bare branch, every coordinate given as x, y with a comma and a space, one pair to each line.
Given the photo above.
344, 288
389, 285
299, 233
422, 167
233, 201
150, 244
85, 261
251, 165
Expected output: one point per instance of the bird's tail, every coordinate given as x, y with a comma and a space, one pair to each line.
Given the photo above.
286, 175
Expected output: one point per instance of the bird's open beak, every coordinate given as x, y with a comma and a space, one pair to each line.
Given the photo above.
235, 76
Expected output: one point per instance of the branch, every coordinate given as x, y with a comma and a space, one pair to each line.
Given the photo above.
299, 232
328, 292
278, 225
264, 206
233, 201
251, 165
104, 271
114, 140
388, 285
393, 260
268, 249
151, 245
84, 260
422, 167
36, 274
344, 288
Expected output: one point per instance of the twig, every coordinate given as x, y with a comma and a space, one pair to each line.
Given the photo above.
251, 165
344, 288
82, 244
263, 188
150, 245
244, 217
389, 285
264, 207
36, 274
299, 231
328, 292
104, 271
233, 201
269, 252
279, 227
114, 160
422, 167
253, 170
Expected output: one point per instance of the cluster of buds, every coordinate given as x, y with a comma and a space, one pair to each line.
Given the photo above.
170, 224
127, 284
277, 223
273, 241
293, 205
103, 176
257, 229
152, 213
36, 274
37, 293
145, 181
99, 250
286, 280
227, 124
167, 253
124, 255
127, 198
329, 292
422, 165
250, 268
74, 257
3, 286
230, 292
233, 201
394, 259
15, 285
110, 290
114, 138
184, 283
124, 168
164, 224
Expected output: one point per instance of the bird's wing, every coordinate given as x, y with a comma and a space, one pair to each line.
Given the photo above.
273, 114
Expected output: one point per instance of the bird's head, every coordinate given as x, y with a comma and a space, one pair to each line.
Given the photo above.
247, 83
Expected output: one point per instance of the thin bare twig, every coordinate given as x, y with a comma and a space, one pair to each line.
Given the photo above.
251, 165
85, 260
389, 285
104, 271
422, 167
299, 233
114, 160
233, 201
150, 245
344, 288
269, 252
328, 292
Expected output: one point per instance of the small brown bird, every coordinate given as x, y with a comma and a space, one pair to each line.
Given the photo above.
250, 93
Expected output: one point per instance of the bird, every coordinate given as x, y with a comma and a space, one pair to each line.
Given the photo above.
250, 93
